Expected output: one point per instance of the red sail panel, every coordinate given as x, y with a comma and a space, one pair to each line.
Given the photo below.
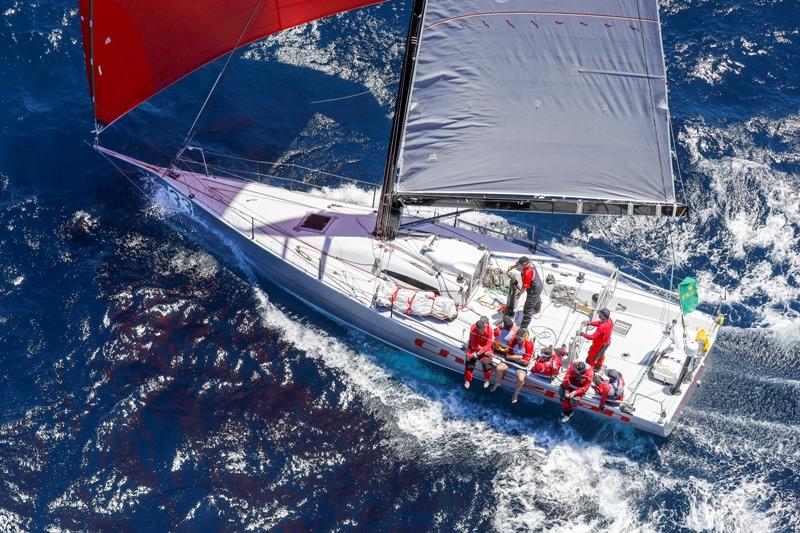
135, 48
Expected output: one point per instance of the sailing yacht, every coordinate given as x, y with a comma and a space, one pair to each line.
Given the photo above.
550, 106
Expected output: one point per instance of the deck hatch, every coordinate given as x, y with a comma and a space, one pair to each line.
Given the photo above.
314, 222
621, 328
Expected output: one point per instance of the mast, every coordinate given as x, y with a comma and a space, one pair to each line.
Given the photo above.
389, 212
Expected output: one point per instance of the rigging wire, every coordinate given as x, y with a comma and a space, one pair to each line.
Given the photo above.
671, 234
191, 131
275, 163
362, 93
124, 174
678, 166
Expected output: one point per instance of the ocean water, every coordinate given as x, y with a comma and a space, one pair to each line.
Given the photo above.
151, 381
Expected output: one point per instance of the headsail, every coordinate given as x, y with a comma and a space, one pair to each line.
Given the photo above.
546, 101
136, 48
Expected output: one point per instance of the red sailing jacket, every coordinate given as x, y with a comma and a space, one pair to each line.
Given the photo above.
479, 342
614, 391
548, 366
580, 384
602, 334
527, 277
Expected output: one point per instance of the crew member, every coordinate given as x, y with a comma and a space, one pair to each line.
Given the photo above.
479, 348
610, 388
549, 362
533, 286
576, 382
520, 355
516, 286
517, 281
504, 336
600, 337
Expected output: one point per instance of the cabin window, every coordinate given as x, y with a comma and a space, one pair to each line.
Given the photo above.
408, 280
314, 222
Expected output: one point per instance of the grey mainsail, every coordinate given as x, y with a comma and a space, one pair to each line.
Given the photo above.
539, 99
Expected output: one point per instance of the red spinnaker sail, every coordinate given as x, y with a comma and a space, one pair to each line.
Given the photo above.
135, 48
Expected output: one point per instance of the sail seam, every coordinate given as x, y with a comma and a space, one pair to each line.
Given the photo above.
542, 13
618, 73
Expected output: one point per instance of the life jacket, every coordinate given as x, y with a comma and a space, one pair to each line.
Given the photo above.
525, 350
617, 389
548, 363
531, 280
503, 339
546, 356
581, 383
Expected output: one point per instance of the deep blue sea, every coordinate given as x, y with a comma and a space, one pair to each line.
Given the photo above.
150, 381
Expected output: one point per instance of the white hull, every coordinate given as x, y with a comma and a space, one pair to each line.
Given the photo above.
333, 272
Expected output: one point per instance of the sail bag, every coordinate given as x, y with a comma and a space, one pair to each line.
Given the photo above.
415, 302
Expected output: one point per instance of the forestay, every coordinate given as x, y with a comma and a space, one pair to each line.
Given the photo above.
135, 48
544, 98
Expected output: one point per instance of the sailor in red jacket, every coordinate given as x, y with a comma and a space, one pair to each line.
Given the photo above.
576, 382
600, 337
611, 388
479, 349
531, 285
519, 354
549, 362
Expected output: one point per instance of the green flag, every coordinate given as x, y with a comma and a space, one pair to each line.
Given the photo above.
687, 291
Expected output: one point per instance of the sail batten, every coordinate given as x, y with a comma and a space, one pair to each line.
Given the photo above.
136, 48
543, 98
